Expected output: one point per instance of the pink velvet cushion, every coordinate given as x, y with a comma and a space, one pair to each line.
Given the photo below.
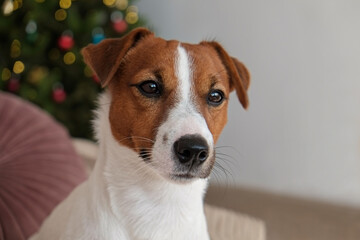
38, 167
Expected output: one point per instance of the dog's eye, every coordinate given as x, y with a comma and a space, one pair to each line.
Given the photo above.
150, 89
215, 97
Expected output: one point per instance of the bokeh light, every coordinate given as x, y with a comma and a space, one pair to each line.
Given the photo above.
109, 2
121, 4
69, 58
132, 17
15, 49
5, 74
19, 67
65, 4
60, 15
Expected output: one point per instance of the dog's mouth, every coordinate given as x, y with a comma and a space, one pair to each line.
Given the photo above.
183, 177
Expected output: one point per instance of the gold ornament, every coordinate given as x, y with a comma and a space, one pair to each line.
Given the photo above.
132, 8
19, 67
6, 74
65, 4
15, 49
37, 74
60, 15
17, 4
121, 4
132, 17
109, 3
69, 58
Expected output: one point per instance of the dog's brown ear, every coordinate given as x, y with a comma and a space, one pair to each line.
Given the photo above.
237, 72
105, 58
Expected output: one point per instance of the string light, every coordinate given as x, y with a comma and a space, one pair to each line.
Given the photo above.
17, 4
132, 17
13, 85
132, 14
109, 3
65, 4
132, 8
60, 15
31, 27
116, 16
121, 4
97, 35
15, 49
19, 67
69, 58
6, 74
8, 7
59, 95
36, 74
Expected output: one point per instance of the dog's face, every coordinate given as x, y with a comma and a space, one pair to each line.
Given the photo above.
169, 99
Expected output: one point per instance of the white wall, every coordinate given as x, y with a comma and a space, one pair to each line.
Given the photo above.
301, 135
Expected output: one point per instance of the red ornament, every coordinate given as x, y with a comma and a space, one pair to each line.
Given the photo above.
65, 42
59, 95
13, 85
120, 26
96, 79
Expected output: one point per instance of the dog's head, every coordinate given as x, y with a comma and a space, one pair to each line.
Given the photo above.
168, 99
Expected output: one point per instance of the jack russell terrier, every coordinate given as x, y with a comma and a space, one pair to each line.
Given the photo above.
157, 123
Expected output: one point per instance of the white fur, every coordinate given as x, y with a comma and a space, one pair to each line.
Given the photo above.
126, 198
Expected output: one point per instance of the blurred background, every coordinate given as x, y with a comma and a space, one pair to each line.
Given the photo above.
296, 150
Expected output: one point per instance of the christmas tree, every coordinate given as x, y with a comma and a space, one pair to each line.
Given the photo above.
40, 43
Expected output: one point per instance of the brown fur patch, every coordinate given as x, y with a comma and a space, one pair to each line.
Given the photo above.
131, 113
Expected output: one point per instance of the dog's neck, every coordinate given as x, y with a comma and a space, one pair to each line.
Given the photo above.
146, 203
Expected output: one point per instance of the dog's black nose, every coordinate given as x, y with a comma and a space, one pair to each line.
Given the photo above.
191, 149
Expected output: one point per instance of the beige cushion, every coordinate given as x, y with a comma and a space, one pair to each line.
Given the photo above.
222, 224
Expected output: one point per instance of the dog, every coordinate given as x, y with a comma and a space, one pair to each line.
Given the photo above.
163, 109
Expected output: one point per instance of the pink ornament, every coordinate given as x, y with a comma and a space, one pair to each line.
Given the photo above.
65, 42
13, 85
120, 26
59, 95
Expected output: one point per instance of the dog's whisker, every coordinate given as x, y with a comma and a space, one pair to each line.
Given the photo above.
228, 160
226, 173
215, 174
138, 138
218, 165
143, 138
225, 155
229, 164
230, 147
